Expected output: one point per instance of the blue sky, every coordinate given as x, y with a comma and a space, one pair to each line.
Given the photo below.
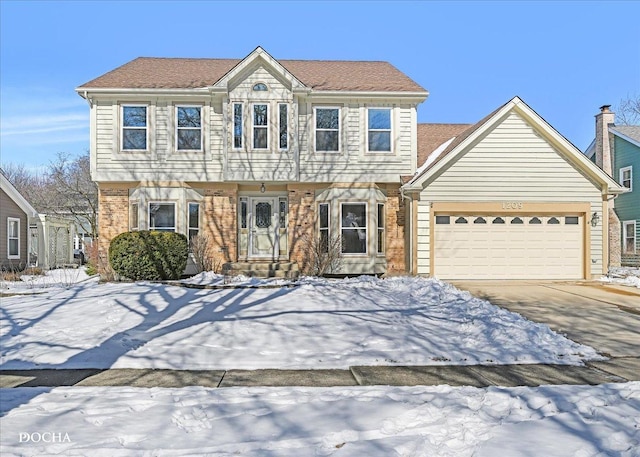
565, 59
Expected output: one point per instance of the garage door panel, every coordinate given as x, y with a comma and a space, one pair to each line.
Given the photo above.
523, 247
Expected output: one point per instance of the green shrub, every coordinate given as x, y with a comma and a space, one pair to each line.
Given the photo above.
145, 255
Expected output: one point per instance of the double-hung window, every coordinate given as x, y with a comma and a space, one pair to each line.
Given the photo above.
353, 222
13, 238
162, 216
134, 127
629, 237
194, 221
327, 129
379, 129
323, 227
626, 177
237, 125
380, 240
260, 126
189, 128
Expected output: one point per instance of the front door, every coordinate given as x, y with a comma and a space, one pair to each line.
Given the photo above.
263, 239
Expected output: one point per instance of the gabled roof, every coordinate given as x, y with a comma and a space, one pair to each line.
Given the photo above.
16, 196
187, 73
630, 133
466, 138
430, 136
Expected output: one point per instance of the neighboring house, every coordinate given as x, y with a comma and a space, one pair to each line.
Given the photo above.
28, 238
508, 198
16, 215
616, 149
266, 156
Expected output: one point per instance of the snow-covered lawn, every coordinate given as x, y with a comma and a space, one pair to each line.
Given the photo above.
317, 324
625, 276
557, 421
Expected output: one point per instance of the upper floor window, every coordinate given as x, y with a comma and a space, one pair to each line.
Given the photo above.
13, 238
327, 129
134, 128
260, 87
162, 216
260, 126
379, 129
237, 125
626, 177
189, 128
283, 126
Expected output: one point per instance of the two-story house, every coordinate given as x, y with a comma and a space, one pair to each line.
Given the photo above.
260, 154
269, 157
616, 149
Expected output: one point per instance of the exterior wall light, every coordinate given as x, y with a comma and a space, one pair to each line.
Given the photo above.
262, 188
594, 219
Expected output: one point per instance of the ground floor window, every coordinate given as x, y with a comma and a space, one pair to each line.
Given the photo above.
162, 216
323, 226
353, 228
134, 222
629, 237
380, 240
194, 221
13, 238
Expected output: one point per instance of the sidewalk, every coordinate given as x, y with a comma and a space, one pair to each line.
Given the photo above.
610, 371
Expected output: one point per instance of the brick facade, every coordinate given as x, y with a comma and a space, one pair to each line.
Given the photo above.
395, 235
113, 217
302, 219
220, 222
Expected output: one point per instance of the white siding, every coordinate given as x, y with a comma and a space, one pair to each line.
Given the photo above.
511, 163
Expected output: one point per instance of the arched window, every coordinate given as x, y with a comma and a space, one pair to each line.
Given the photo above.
260, 87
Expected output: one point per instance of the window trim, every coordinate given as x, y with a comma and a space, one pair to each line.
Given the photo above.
175, 220
254, 127
390, 130
315, 129
132, 212
178, 128
123, 127
280, 126
9, 238
632, 224
365, 204
239, 125
621, 173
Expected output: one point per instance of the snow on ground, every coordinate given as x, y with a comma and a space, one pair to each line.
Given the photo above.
626, 276
30, 284
380, 421
318, 324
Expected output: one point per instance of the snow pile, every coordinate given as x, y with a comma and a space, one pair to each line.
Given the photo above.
58, 278
559, 421
626, 276
318, 324
209, 278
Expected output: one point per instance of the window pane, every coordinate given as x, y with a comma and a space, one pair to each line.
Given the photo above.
354, 224
13, 229
380, 119
442, 220
237, 125
284, 119
189, 139
134, 216
327, 118
379, 141
134, 116
13, 247
189, 117
324, 215
263, 215
260, 138
260, 115
194, 215
571, 220
326, 141
162, 216
243, 214
134, 139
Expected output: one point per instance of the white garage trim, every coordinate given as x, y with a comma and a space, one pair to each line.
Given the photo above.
573, 237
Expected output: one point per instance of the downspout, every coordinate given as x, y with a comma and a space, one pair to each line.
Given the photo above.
410, 231
88, 99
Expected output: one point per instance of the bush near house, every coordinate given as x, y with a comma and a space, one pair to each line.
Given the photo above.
149, 255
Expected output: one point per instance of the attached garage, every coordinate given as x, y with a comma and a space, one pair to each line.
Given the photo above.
508, 198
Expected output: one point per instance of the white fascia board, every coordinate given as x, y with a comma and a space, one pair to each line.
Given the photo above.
624, 137
409, 96
142, 92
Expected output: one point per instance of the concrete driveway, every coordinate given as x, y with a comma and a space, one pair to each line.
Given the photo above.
604, 317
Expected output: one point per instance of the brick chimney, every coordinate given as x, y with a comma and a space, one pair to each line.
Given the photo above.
604, 156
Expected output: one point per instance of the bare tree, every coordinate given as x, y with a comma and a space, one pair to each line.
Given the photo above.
628, 110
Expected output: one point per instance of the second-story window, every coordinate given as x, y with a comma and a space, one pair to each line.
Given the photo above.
260, 126
189, 128
283, 124
379, 129
237, 125
327, 129
134, 128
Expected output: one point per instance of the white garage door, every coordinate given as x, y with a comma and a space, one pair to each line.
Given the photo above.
508, 247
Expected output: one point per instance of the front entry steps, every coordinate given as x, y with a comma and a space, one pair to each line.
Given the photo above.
284, 270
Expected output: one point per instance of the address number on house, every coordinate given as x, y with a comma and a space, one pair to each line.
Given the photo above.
512, 205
